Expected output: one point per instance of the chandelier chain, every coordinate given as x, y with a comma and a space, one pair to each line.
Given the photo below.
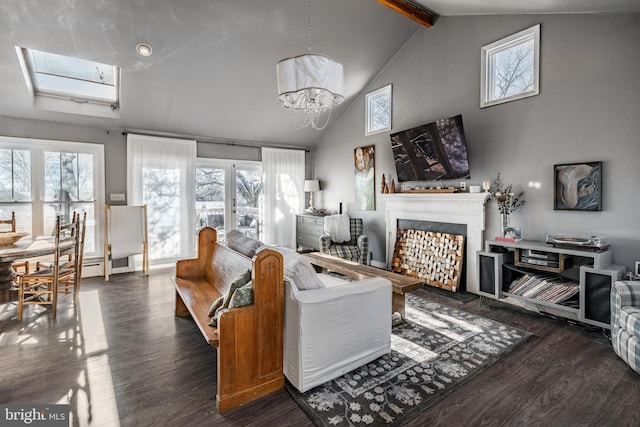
309, 28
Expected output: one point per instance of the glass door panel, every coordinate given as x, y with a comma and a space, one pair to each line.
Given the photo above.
210, 199
248, 199
161, 194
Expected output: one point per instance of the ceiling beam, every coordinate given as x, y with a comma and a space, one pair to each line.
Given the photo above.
410, 10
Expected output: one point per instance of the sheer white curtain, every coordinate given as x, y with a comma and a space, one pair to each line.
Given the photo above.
283, 172
161, 174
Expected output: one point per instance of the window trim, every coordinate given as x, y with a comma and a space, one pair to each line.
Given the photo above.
487, 71
37, 148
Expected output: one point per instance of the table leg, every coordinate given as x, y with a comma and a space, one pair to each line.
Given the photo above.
6, 276
397, 306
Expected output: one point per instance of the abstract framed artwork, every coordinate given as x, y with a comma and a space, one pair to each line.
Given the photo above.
364, 163
578, 186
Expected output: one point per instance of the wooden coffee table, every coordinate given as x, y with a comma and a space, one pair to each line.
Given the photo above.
401, 284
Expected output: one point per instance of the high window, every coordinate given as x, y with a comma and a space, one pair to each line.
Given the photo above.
510, 68
72, 85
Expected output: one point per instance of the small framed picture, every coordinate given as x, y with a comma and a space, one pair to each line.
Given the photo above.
514, 233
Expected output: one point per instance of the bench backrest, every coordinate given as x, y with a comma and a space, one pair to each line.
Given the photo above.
216, 263
226, 264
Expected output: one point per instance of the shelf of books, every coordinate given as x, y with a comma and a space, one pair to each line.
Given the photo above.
545, 289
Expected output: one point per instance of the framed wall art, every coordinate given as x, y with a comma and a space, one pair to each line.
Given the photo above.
578, 186
364, 163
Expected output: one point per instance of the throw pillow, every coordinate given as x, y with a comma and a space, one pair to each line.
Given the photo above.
216, 304
241, 280
214, 320
298, 270
243, 244
242, 296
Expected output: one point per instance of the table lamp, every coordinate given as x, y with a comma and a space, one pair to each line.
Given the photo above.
311, 186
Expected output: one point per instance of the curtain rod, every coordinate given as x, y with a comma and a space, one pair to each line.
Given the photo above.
220, 141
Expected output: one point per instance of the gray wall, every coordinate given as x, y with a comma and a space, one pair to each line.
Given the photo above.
588, 110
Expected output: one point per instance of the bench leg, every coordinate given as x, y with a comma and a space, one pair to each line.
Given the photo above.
181, 309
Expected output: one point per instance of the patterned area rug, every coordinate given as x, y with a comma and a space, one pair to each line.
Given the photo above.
435, 352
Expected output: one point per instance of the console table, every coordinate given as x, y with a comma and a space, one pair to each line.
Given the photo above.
591, 273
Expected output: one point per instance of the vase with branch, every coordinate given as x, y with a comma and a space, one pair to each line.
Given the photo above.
507, 201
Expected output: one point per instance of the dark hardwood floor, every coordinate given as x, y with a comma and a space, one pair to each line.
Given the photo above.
123, 359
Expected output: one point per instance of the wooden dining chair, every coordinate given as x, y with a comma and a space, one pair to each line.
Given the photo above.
41, 286
8, 221
71, 285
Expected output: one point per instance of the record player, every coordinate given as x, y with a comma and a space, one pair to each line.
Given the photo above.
577, 242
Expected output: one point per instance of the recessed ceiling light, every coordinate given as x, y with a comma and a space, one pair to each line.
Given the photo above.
144, 49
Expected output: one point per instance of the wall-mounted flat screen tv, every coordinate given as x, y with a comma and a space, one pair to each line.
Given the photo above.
435, 151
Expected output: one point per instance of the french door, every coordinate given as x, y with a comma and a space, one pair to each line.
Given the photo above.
229, 195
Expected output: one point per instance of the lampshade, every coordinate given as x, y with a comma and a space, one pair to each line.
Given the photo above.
310, 81
311, 185
310, 85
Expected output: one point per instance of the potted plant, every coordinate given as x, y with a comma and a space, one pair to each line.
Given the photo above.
508, 202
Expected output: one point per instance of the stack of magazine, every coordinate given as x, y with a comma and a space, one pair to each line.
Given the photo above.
550, 289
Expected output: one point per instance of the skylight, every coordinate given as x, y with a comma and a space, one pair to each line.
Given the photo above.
70, 78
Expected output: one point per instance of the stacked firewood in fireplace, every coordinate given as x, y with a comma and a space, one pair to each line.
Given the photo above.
433, 257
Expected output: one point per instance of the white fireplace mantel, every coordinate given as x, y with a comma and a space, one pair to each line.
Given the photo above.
452, 208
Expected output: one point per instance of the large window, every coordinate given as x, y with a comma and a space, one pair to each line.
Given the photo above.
42, 179
161, 174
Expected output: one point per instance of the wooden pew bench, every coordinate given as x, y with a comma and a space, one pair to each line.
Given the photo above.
249, 339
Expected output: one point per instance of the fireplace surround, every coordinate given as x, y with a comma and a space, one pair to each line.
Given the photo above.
447, 208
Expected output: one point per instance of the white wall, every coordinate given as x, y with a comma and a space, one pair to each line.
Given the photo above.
588, 110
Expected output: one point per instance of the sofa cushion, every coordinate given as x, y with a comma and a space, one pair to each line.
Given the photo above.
243, 244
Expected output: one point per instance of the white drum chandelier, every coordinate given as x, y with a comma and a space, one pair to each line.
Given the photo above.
310, 86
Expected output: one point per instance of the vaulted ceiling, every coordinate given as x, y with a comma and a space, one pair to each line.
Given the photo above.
212, 73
